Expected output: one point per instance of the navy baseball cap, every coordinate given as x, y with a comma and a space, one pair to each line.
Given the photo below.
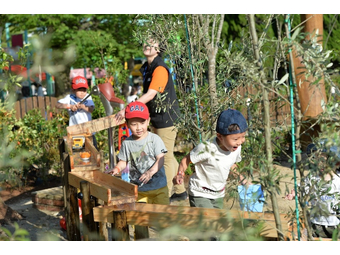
229, 117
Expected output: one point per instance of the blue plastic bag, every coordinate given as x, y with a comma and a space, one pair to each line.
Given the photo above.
251, 198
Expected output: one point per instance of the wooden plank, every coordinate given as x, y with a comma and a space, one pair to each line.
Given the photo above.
97, 190
123, 186
54, 102
17, 109
94, 152
41, 104
35, 102
29, 105
94, 125
102, 188
23, 107
48, 107
167, 215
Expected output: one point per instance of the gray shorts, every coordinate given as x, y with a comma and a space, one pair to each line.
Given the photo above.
206, 202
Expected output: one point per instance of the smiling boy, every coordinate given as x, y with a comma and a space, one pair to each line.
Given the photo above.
213, 161
143, 152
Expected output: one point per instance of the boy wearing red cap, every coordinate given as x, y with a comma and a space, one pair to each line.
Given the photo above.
143, 153
79, 113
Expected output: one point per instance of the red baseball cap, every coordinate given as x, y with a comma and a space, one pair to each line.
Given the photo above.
79, 82
137, 109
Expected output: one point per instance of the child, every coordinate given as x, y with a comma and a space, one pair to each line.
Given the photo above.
213, 160
323, 190
133, 95
79, 113
143, 152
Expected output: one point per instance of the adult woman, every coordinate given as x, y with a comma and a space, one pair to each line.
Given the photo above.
160, 97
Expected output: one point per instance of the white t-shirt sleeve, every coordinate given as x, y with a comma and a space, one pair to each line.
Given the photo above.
65, 100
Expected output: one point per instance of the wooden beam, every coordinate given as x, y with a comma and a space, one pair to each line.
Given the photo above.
94, 125
167, 215
94, 152
111, 190
117, 183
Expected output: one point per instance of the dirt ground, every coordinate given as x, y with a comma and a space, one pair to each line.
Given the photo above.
44, 225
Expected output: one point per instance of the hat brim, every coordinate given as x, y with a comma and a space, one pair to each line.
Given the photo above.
78, 86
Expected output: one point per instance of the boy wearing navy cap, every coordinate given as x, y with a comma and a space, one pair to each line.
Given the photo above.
143, 153
213, 161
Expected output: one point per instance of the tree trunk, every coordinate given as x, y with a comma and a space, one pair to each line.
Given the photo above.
267, 127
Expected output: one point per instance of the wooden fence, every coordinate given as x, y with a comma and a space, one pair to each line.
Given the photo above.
280, 113
279, 110
45, 104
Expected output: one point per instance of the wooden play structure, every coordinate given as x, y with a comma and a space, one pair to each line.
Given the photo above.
108, 200
109, 205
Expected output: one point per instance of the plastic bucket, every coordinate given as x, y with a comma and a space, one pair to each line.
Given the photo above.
251, 198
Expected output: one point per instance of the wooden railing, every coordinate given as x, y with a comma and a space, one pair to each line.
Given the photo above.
45, 104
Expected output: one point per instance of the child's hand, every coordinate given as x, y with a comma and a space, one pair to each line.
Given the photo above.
291, 195
73, 108
178, 179
113, 171
80, 106
146, 177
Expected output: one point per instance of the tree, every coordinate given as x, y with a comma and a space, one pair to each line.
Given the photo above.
78, 31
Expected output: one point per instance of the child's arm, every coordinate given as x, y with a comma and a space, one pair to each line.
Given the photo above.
183, 165
154, 169
116, 170
63, 106
243, 180
72, 107
85, 108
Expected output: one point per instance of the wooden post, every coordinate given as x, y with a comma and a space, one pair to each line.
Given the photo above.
310, 97
102, 226
141, 232
73, 216
71, 208
120, 228
103, 232
86, 209
96, 226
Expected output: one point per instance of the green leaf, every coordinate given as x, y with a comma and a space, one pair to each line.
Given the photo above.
283, 79
296, 32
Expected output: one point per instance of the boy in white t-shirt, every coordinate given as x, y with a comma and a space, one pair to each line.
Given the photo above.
79, 113
213, 161
322, 192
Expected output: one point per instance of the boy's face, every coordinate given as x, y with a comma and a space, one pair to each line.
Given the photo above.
138, 127
231, 142
80, 93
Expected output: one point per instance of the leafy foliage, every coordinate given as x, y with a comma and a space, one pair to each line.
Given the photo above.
19, 234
